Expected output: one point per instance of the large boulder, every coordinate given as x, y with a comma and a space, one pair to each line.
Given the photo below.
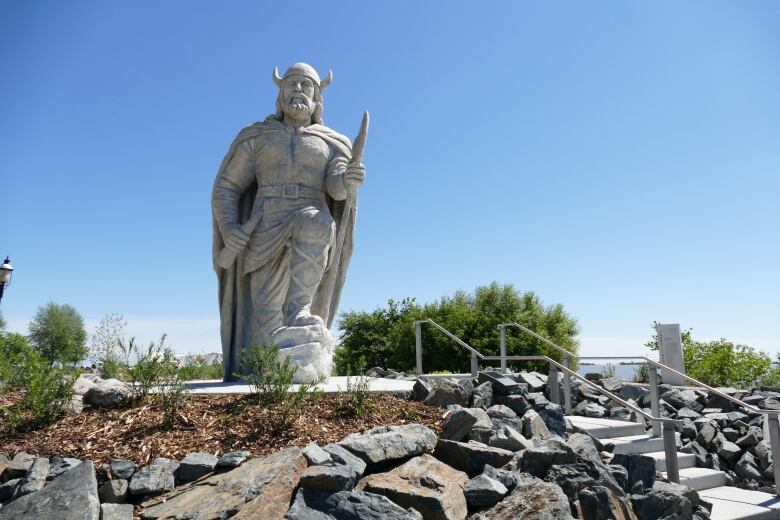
18, 466
484, 491
332, 477
35, 478
532, 499
538, 460
113, 491
460, 421
502, 385
312, 504
196, 465
119, 468
73, 496
482, 397
552, 415
156, 478
58, 466
109, 393
116, 512
508, 438
471, 456
387, 443
662, 504
534, 426
601, 503
259, 488
641, 468
232, 459
446, 392
535, 381
424, 484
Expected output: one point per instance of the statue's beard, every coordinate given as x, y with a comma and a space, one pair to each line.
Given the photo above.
297, 105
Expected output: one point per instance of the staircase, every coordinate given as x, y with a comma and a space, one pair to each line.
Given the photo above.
728, 502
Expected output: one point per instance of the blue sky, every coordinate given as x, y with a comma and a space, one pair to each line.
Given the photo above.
620, 158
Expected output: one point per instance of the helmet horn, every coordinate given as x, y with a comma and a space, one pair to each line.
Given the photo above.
325, 83
277, 78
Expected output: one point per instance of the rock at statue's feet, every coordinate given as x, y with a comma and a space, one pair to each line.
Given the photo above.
306, 319
310, 347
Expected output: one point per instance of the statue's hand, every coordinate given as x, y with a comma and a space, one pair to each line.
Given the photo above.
354, 176
235, 238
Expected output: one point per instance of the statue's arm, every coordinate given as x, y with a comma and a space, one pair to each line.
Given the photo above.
334, 179
231, 183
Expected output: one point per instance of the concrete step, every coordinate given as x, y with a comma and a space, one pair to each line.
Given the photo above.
684, 460
701, 478
605, 428
637, 444
730, 503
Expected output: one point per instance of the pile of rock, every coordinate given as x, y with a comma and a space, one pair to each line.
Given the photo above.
103, 393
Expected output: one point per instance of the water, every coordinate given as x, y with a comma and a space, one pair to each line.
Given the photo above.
624, 372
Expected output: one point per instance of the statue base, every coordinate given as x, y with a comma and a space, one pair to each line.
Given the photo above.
310, 348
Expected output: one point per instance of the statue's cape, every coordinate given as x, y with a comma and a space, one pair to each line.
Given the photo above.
234, 297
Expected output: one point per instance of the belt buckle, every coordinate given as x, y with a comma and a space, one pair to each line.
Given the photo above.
290, 191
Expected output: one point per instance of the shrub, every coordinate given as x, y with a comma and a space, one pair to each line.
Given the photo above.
642, 373
57, 333
356, 401
385, 337
198, 367
608, 371
104, 342
13, 348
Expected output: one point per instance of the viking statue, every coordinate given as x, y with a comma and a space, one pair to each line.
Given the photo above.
278, 204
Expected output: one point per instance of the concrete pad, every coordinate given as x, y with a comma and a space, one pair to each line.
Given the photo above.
636, 444
701, 478
684, 460
730, 503
606, 428
333, 385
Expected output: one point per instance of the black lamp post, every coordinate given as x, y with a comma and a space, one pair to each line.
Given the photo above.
5, 275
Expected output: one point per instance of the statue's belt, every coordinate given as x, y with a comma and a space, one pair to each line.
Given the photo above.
289, 191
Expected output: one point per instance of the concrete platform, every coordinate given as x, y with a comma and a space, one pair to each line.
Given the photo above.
636, 444
700, 479
332, 386
684, 460
730, 503
605, 428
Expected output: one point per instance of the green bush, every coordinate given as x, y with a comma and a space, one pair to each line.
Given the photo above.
356, 401
13, 348
385, 337
609, 370
57, 334
722, 362
198, 367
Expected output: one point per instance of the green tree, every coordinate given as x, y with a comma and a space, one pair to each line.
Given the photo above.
385, 337
2, 322
57, 334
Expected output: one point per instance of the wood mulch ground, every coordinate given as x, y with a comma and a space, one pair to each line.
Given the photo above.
209, 423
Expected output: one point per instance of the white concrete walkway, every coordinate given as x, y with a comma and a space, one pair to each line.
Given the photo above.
332, 386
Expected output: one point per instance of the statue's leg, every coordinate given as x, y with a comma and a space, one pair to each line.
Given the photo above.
313, 235
269, 286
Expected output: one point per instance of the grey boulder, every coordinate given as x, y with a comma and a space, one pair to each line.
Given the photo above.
232, 459
116, 512
483, 491
195, 465
471, 456
312, 504
390, 442
109, 393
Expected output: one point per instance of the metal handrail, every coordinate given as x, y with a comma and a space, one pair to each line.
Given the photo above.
669, 425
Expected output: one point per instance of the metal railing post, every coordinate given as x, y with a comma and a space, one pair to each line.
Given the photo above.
774, 444
670, 450
418, 345
555, 395
474, 365
654, 404
502, 331
566, 386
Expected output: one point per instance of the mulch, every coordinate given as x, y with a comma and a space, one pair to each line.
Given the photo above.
208, 423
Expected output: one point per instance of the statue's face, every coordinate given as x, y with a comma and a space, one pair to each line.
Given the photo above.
298, 96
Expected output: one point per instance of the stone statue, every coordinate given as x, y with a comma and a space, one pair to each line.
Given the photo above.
278, 205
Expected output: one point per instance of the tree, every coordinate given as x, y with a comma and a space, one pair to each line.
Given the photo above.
57, 333
385, 337
2, 322
105, 341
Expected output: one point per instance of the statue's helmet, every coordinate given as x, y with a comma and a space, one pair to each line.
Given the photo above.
303, 69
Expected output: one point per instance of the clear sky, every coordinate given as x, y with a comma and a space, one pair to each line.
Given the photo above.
620, 158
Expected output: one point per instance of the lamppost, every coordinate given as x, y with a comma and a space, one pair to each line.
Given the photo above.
5, 275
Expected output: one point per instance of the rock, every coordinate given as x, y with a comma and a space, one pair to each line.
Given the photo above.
764, 453
620, 474
73, 496
747, 468
532, 499
390, 442
461, 420
482, 396
311, 504
729, 451
152, 480
315, 455
612, 384
502, 385
641, 468
535, 381
506, 477
471, 456
121, 468
334, 477
502, 411
483, 491
58, 466
468, 386
9, 489
259, 488
571, 478
534, 426
343, 456
731, 434
19, 465
421, 389
377, 372
517, 403
232, 459
109, 393
35, 478
552, 415
706, 435
508, 438
687, 413
677, 489
4, 462
113, 491
588, 409
688, 429
583, 445
81, 385
425, 484
116, 512
195, 465
538, 400
538, 460
446, 392
663, 504
635, 392
753, 436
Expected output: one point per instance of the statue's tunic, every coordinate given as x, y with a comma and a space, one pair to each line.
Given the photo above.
295, 178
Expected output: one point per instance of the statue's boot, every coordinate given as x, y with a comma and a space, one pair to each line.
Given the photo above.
306, 267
